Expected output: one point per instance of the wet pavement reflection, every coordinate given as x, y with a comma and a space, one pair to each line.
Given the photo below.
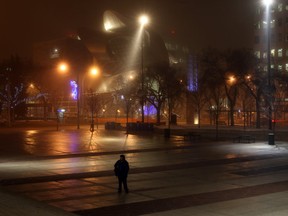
73, 169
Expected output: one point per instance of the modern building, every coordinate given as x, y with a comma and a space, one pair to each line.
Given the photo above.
121, 51
278, 17
271, 49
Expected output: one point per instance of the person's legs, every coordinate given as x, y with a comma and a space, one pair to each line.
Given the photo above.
125, 185
119, 184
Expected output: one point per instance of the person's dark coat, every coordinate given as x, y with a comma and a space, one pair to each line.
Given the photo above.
121, 168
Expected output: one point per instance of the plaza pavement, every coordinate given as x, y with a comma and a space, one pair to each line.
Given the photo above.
70, 172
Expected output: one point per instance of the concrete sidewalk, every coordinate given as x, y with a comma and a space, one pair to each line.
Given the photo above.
12, 204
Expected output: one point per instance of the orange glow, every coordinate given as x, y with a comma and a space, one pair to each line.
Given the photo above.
94, 71
63, 67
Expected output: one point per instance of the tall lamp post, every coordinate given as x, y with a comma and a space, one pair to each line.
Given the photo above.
143, 20
63, 68
268, 4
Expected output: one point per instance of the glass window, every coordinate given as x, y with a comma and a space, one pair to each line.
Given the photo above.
257, 25
264, 55
286, 66
257, 54
279, 22
279, 37
280, 52
256, 39
280, 67
280, 7
273, 52
272, 24
264, 24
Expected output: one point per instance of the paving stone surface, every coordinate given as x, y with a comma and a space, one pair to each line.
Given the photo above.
71, 172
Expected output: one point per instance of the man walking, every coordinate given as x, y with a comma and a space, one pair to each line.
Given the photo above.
121, 169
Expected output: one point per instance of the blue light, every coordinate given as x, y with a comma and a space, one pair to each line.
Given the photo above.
149, 110
74, 89
192, 76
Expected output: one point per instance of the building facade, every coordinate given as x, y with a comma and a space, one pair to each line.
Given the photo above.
120, 52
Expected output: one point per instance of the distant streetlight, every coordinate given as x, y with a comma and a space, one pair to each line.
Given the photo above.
143, 20
94, 70
232, 79
63, 67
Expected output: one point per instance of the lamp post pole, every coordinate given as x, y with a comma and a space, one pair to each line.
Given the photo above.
142, 76
78, 101
269, 66
268, 3
143, 20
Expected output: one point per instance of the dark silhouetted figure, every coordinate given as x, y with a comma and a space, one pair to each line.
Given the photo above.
121, 169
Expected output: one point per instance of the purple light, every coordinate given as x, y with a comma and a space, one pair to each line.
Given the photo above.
192, 76
149, 110
74, 89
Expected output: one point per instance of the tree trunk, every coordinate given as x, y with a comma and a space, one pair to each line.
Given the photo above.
232, 123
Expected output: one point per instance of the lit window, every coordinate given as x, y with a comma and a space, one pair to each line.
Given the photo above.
257, 25
264, 55
273, 52
286, 7
280, 52
264, 24
272, 66
280, 7
257, 54
272, 24
286, 66
280, 67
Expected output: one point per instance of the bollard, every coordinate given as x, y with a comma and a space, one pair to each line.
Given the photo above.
271, 139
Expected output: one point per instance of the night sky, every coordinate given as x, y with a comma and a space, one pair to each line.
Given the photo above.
197, 23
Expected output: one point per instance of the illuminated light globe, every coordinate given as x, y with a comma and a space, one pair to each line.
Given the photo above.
267, 2
143, 20
94, 71
62, 67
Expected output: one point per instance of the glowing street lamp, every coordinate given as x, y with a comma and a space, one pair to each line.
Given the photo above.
143, 20
94, 71
63, 68
268, 3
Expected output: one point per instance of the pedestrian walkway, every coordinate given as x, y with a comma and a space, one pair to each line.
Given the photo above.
167, 176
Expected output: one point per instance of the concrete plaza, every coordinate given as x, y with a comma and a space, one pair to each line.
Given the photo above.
70, 172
